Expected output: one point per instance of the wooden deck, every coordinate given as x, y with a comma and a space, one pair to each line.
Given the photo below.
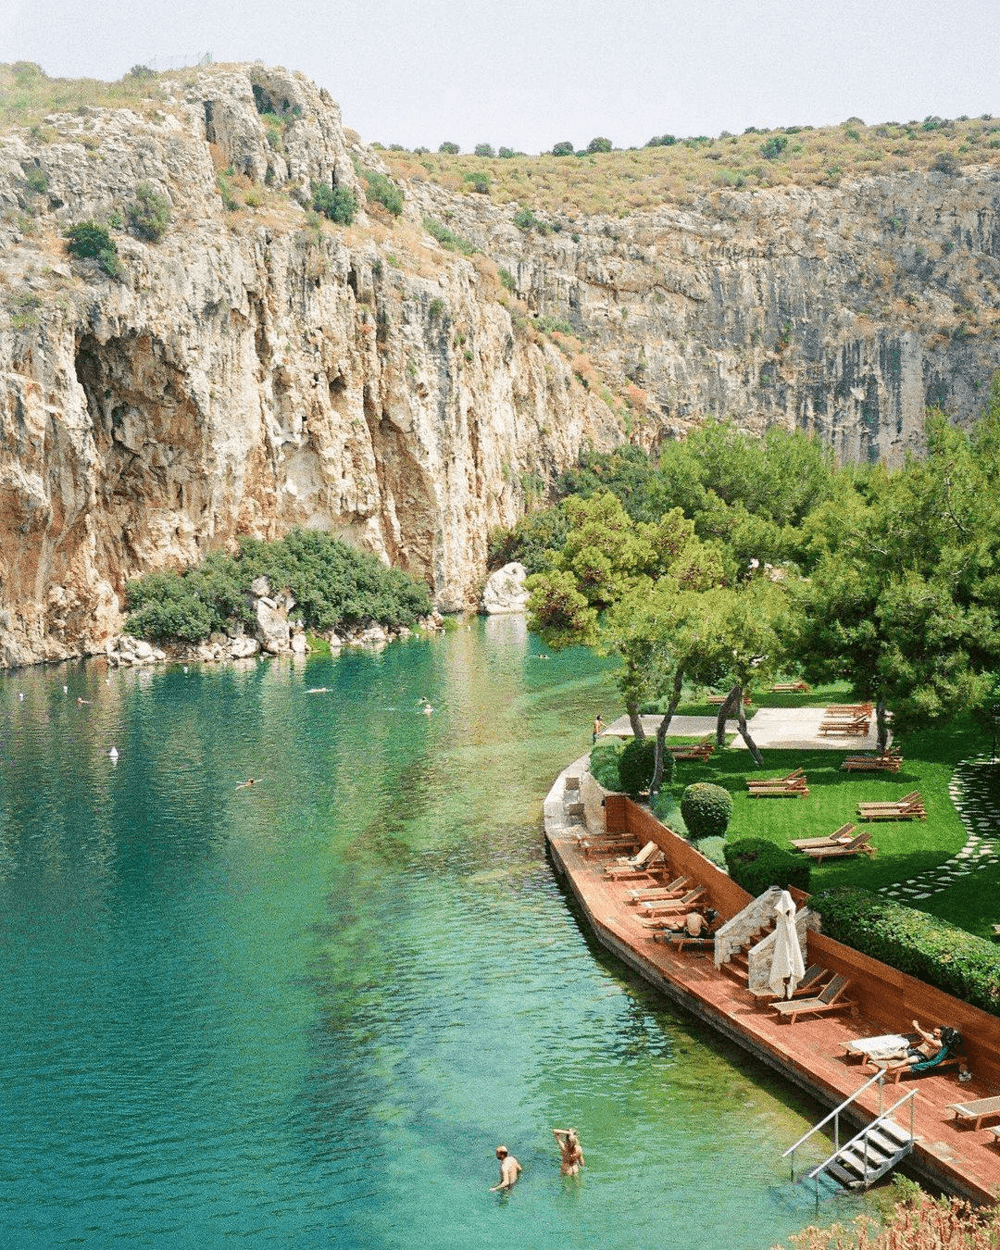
811, 1051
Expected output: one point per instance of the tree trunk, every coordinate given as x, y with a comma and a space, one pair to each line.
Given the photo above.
883, 726
661, 733
726, 712
635, 720
755, 755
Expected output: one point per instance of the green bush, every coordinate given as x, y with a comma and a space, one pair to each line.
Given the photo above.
335, 587
706, 810
714, 849
149, 213
929, 949
450, 149
604, 763
774, 147
756, 864
384, 191
666, 810
600, 144
635, 766
562, 149
447, 238
478, 181
524, 219
338, 203
91, 241
87, 239
484, 149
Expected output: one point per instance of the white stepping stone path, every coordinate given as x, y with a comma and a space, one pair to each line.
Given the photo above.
980, 814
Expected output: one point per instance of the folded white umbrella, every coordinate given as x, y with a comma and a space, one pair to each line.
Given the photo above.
787, 968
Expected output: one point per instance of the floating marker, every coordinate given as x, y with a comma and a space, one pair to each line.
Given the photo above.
113, 754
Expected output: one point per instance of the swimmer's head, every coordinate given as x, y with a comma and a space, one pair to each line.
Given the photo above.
502, 1152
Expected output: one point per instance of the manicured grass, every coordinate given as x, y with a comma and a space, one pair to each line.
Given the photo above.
904, 848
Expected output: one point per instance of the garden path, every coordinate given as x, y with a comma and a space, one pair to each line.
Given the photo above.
979, 809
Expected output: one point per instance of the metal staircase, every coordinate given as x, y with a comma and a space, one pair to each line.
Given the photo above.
871, 1153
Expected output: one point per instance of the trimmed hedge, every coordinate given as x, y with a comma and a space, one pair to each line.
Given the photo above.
756, 864
604, 763
919, 944
666, 810
706, 809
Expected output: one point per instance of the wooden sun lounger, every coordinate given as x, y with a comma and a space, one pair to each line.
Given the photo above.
682, 939
904, 810
798, 774
847, 728
855, 709
607, 846
889, 763
858, 845
831, 998
779, 792
717, 700
636, 865
837, 836
673, 889
658, 912
810, 984
693, 750
788, 687
976, 1111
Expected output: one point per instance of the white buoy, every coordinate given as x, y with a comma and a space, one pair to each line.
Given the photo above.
113, 754
20, 695
185, 668
65, 689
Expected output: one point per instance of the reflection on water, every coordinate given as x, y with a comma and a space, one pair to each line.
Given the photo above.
307, 1012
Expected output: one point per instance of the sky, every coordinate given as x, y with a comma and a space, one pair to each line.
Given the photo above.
526, 74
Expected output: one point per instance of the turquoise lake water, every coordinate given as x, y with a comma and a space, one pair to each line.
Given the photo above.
306, 1013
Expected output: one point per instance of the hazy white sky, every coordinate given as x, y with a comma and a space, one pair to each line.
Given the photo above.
529, 73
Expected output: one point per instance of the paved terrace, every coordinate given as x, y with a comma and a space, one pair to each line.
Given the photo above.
811, 1051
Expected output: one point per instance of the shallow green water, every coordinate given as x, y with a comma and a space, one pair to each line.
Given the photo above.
305, 1014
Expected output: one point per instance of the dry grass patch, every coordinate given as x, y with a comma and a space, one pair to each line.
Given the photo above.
610, 182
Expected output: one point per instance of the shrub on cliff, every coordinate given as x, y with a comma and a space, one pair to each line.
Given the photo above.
706, 810
914, 942
384, 191
149, 213
91, 241
756, 864
339, 204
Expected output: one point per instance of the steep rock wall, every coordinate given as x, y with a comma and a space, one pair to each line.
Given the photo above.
256, 370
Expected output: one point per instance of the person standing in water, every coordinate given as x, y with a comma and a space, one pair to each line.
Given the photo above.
570, 1150
510, 1169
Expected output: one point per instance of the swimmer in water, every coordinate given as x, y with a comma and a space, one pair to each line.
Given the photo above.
570, 1150
250, 781
510, 1169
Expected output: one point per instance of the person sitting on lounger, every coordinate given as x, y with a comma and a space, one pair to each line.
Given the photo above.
929, 1047
570, 1149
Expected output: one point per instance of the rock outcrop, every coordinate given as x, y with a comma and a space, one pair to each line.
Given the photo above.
258, 368
504, 591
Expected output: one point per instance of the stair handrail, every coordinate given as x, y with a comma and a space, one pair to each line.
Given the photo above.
737, 931
882, 1116
835, 1116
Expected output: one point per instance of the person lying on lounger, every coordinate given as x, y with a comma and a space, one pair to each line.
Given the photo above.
693, 925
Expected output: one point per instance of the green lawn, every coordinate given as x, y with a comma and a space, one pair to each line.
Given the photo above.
904, 848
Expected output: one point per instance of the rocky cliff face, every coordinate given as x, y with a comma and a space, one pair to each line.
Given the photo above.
255, 370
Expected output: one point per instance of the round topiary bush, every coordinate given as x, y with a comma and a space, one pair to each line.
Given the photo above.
706, 810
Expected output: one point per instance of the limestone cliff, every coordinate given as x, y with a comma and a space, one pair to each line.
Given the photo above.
256, 369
